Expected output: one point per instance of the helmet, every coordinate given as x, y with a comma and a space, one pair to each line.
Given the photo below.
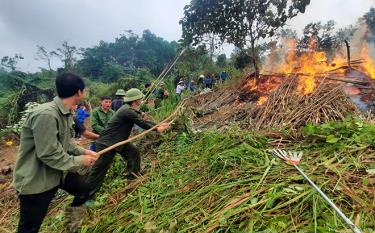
201, 76
133, 94
120, 92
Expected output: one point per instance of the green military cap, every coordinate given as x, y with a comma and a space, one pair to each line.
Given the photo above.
120, 92
133, 94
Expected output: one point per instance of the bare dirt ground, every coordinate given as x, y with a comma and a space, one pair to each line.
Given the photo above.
8, 155
8, 196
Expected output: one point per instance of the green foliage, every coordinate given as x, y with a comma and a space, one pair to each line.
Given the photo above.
241, 59
109, 61
226, 182
193, 62
322, 34
17, 127
350, 131
221, 60
8, 109
369, 19
98, 89
112, 72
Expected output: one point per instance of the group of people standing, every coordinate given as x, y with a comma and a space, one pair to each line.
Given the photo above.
49, 159
204, 81
210, 79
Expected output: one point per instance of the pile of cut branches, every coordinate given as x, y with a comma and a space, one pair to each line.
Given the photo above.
285, 108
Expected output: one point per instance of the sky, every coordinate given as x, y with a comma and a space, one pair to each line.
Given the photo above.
83, 23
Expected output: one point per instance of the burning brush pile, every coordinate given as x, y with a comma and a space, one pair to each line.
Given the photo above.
302, 88
285, 107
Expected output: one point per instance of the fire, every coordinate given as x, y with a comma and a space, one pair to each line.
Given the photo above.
309, 64
264, 84
258, 89
262, 100
369, 64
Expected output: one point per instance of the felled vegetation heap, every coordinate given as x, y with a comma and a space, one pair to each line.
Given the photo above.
285, 107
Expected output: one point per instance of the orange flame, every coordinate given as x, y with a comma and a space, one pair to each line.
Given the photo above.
262, 100
309, 63
369, 64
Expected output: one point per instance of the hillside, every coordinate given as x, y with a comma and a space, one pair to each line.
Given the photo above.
224, 180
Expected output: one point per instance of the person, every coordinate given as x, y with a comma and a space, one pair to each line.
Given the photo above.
99, 120
119, 100
82, 114
48, 159
161, 94
119, 129
223, 76
149, 96
147, 90
200, 80
80, 129
192, 87
207, 81
180, 87
101, 115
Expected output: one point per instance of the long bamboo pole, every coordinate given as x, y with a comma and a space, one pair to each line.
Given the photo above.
143, 133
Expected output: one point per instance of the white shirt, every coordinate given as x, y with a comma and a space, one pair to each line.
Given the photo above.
179, 89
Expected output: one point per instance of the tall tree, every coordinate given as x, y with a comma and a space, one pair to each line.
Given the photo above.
238, 21
68, 55
192, 61
11, 62
321, 36
288, 33
45, 55
369, 19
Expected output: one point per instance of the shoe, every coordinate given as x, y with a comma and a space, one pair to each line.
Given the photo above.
90, 203
74, 218
133, 176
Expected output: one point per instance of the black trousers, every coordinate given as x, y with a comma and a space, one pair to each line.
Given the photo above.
128, 152
34, 207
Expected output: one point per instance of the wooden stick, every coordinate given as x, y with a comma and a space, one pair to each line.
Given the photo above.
345, 80
348, 52
141, 134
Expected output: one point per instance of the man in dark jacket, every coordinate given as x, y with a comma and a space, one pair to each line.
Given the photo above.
119, 100
117, 130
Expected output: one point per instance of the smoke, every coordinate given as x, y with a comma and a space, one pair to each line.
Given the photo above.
358, 40
371, 44
279, 53
362, 39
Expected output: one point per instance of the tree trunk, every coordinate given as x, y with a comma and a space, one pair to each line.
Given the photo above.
254, 54
49, 64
